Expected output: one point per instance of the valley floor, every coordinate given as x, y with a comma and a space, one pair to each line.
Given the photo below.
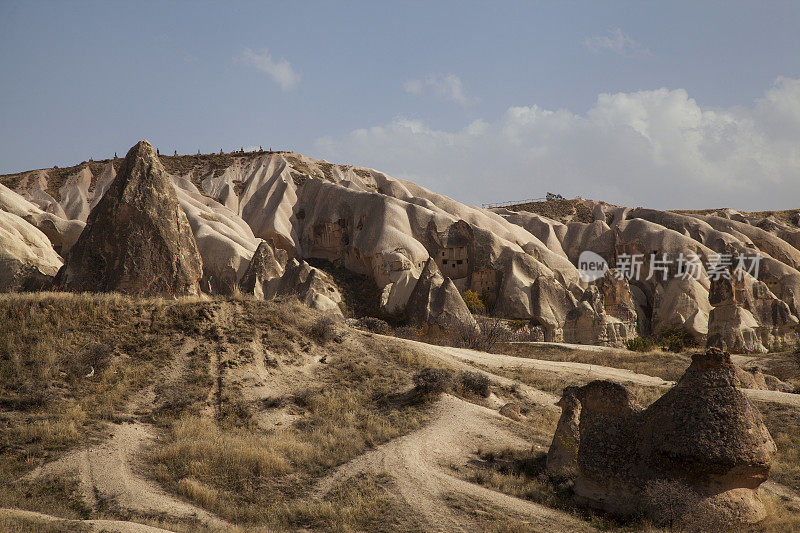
238, 415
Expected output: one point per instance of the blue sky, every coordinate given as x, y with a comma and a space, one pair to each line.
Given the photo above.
664, 104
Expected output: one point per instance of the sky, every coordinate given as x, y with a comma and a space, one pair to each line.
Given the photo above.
660, 104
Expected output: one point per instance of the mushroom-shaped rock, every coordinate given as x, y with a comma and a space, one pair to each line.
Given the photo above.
608, 473
562, 457
702, 438
137, 239
705, 433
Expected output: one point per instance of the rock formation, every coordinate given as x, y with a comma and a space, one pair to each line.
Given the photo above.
62, 232
137, 240
522, 263
272, 274
705, 432
562, 457
262, 277
702, 435
606, 314
27, 259
747, 316
435, 300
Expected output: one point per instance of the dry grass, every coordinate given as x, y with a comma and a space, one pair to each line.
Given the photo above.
783, 365
783, 423
226, 463
38, 525
665, 365
50, 343
260, 477
522, 474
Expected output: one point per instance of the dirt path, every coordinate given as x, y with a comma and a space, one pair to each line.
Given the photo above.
418, 464
787, 494
112, 526
569, 346
110, 473
568, 368
500, 361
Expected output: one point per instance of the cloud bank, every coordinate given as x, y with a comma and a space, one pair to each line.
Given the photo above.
444, 86
281, 71
654, 148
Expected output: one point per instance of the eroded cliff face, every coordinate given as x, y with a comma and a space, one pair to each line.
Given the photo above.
521, 262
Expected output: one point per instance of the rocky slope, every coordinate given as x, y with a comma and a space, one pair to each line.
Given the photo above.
522, 262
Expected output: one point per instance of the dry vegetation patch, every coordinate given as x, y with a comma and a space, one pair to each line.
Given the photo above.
67, 362
212, 450
783, 423
253, 475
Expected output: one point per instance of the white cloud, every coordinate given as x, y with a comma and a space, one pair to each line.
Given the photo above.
656, 148
281, 71
444, 86
616, 42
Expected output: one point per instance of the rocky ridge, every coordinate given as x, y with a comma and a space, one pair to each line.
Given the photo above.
521, 262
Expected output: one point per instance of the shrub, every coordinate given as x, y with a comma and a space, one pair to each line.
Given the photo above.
473, 301
484, 337
375, 325
489, 300
433, 381
676, 506
517, 325
676, 340
326, 329
639, 344
474, 382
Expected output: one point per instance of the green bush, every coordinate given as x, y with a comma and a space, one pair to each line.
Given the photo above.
473, 301
517, 325
639, 344
676, 340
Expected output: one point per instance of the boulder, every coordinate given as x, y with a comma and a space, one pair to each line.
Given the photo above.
511, 410
137, 239
702, 438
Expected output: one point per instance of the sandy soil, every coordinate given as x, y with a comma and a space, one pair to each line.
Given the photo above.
418, 465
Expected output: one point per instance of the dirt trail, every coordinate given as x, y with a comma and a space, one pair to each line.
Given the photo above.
112, 526
567, 368
787, 494
569, 346
418, 465
109, 474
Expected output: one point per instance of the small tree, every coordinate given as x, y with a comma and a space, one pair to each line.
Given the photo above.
473, 301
